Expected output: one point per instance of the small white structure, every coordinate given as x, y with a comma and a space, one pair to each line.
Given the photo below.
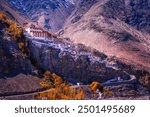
119, 78
78, 84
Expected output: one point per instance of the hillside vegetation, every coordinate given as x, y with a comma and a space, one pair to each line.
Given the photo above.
58, 88
11, 27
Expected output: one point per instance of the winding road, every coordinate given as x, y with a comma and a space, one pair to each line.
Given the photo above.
30, 95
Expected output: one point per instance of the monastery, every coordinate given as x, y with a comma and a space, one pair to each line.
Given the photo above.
36, 32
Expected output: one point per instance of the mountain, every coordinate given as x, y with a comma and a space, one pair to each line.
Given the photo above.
101, 40
116, 28
12, 12
50, 14
75, 63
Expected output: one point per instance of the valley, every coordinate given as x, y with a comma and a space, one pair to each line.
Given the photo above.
82, 41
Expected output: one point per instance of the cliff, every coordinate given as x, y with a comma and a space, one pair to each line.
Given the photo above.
15, 68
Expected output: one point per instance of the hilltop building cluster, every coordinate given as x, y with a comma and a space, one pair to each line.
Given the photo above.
36, 32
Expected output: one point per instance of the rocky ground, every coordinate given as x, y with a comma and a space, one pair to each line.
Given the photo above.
74, 62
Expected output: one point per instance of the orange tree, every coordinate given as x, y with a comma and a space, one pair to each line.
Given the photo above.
11, 27
96, 86
15, 30
58, 88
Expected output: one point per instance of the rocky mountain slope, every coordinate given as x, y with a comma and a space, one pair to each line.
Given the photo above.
115, 28
12, 12
50, 14
76, 63
15, 68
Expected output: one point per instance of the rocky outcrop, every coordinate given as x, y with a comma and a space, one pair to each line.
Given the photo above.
81, 7
15, 68
18, 84
133, 12
75, 64
116, 28
12, 61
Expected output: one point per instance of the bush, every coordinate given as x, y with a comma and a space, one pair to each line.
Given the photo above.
145, 80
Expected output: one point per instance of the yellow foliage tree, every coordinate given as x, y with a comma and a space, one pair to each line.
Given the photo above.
57, 79
15, 30
80, 94
59, 89
3, 17
11, 26
47, 80
96, 86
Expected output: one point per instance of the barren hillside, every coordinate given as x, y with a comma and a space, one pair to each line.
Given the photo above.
49, 14
104, 28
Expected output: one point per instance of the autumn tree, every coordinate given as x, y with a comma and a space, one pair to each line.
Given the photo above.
47, 80
11, 27
59, 89
98, 87
95, 86
15, 30
4, 19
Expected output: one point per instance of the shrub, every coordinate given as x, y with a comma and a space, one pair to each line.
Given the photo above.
80, 94
145, 80
21, 45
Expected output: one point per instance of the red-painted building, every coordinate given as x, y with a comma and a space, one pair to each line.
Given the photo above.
36, 32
